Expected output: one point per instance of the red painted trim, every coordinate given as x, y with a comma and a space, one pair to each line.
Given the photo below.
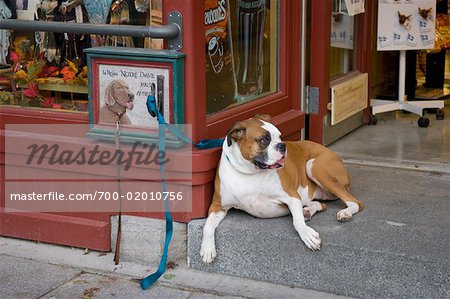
294, 53
366, 36
31, 115
2, 181
59, 229
194, 75
319, 63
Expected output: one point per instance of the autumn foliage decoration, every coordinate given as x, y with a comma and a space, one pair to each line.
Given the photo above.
30, 69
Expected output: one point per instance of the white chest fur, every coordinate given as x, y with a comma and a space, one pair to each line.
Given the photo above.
258, 194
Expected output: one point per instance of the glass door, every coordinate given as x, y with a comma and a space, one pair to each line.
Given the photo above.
338, 58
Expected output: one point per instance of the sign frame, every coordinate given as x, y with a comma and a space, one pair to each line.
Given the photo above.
141, 72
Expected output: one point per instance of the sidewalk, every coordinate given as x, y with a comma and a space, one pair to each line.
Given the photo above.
32, 270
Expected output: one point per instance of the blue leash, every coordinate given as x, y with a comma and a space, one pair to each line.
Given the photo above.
203, 144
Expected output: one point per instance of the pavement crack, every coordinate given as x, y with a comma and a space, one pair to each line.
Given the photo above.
62, 284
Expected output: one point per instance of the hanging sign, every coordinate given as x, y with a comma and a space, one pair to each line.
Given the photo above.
121, 79
406, 24
354, 7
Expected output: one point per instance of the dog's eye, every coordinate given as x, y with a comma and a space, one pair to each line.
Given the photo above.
265, 141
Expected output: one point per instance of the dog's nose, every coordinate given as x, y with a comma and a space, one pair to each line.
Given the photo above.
281, 147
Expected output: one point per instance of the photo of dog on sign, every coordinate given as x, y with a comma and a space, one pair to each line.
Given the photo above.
123, 92
118, 99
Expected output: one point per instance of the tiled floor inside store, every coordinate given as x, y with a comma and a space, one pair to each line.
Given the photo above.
397, 140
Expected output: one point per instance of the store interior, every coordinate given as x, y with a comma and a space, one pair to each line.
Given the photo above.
396, 140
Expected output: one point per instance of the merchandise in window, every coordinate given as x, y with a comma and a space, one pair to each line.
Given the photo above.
241, 51
48, 70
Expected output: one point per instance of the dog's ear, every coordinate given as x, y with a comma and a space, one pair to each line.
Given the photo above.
237, 132
109, 94
265, 117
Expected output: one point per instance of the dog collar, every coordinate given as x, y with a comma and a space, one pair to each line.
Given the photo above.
119, 114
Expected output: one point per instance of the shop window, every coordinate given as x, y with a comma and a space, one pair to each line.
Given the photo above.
241, 51
48, 70
343, 41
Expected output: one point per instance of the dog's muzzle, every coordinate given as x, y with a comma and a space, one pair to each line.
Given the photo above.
281, 147
260, 161
276, 165
130, 100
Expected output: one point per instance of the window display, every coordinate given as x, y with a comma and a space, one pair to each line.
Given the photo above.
49, 70
241, 51
7, 12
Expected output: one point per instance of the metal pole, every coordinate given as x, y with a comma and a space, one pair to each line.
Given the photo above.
169, 31
401, 76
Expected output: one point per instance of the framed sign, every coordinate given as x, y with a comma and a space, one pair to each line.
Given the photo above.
120, 81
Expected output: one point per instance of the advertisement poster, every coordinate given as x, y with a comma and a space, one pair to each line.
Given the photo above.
406, 24
127, 87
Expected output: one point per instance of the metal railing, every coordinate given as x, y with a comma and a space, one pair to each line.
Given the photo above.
170, 31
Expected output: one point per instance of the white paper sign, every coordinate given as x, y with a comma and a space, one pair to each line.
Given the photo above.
139, 81
406, 24
354, 7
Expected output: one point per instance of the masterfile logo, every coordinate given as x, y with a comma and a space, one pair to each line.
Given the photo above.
56, 168
54, 155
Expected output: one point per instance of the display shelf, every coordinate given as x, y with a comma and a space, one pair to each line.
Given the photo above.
58, 84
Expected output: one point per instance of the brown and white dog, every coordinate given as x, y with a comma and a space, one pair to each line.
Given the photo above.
118, 98
267, 178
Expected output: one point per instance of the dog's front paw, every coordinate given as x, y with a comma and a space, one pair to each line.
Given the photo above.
310, 237
208, 252
343, 216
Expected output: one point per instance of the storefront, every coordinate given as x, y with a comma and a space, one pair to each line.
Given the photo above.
309, 64
251, 68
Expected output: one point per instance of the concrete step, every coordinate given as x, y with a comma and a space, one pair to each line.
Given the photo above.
397, 247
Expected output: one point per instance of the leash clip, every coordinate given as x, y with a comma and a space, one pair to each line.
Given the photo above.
151, 106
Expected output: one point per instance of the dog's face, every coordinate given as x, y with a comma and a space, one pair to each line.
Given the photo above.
255, 145
118, 93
